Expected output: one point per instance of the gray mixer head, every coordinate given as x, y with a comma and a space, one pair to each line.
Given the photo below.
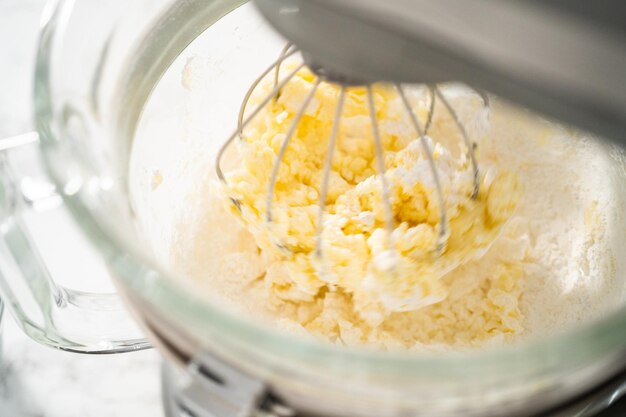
566, 59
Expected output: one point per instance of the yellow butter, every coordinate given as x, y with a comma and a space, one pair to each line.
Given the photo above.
369, 285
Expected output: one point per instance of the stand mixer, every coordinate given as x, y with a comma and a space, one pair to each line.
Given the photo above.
563, 59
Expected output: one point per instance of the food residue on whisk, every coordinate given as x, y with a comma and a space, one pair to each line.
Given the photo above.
373, 272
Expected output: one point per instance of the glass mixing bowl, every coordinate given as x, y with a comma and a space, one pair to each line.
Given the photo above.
102, 92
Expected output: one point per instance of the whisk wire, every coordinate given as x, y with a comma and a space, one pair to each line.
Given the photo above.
484, 96
257, 110
326, 173
285, 53
443, 222
468, 143
283, 149
380, 163
431, 111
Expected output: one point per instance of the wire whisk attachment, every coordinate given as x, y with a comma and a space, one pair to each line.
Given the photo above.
281, 75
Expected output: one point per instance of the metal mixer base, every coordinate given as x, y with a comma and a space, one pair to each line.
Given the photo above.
604, 400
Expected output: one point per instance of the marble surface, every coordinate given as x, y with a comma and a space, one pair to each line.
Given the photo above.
36, 381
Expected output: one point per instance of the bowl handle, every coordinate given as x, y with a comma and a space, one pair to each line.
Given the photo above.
51, 314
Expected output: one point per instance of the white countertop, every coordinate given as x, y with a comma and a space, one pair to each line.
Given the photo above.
36, 381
